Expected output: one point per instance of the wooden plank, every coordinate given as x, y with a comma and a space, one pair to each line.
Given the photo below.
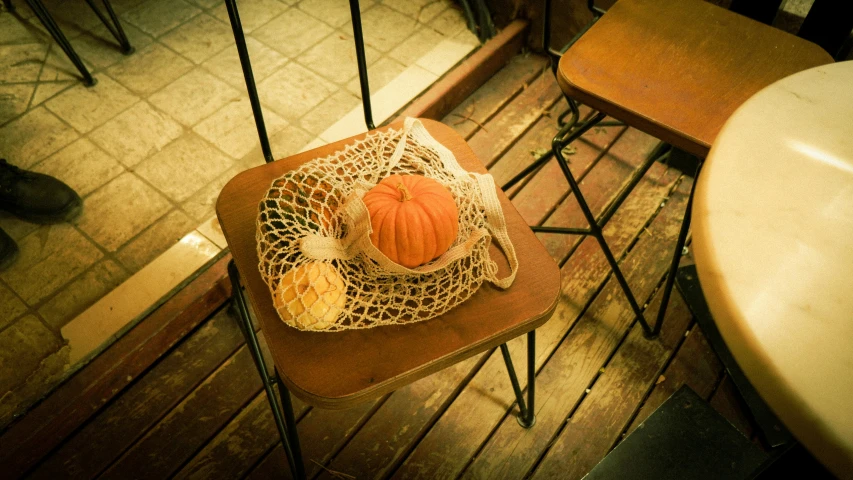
634, 144
84, 394
322, 433
536, 141
465, 78
694, 365
727, 401
458, 435
537, 196
239, 445
566, 378
102, 440
609, 404
256, 420
496, 93
387, 437
515, 119
602, 136
526, 148
184, 430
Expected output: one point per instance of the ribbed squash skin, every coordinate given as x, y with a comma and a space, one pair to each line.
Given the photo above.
414, 218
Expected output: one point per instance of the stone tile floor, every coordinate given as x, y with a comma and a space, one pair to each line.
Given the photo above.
150, 146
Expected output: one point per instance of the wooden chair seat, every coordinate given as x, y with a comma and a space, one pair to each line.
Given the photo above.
677, 69
337, 370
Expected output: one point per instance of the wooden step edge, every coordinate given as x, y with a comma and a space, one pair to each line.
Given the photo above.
457, 85
33, 436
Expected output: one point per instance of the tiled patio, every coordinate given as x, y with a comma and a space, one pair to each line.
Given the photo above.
149, 147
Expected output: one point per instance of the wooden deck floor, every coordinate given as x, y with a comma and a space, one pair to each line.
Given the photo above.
199, 412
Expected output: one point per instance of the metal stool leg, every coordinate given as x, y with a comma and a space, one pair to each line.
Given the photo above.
594, 227
284, 421
290, 423
361, 58
676, 256
52, 28
526, 416
113, 25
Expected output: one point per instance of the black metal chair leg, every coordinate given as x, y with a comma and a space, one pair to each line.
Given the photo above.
52, 28
290, 423
530, 420
676, 256
361, 59
595, 229
284, 421
113, 25
243, 53
526, 416
9, 7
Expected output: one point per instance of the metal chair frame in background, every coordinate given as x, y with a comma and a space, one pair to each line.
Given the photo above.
774, 433
822, 13
112, 24
283, 413
570, 131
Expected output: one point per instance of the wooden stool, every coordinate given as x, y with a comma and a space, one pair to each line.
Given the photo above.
338, 370
675, 69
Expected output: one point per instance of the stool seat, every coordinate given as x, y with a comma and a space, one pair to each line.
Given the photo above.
338, 370
677, 69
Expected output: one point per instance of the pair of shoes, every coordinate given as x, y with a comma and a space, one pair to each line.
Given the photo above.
35, 197
8, 250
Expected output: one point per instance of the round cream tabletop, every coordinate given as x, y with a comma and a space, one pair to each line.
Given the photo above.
773, 245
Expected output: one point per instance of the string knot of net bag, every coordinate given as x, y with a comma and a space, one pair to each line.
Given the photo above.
314, 247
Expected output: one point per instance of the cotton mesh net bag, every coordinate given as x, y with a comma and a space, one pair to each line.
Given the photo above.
315, 250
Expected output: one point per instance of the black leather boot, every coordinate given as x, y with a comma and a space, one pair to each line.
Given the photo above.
36, 197
8, 250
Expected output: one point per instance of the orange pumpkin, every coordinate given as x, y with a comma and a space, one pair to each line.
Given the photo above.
414, 218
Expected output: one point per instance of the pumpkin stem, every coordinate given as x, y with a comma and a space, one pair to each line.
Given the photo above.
405, 195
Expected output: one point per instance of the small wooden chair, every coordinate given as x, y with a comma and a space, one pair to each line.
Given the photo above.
675, 69
338, 370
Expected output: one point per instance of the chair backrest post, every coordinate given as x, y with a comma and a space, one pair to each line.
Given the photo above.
243, 53
362, 63
248, 75
546, 28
